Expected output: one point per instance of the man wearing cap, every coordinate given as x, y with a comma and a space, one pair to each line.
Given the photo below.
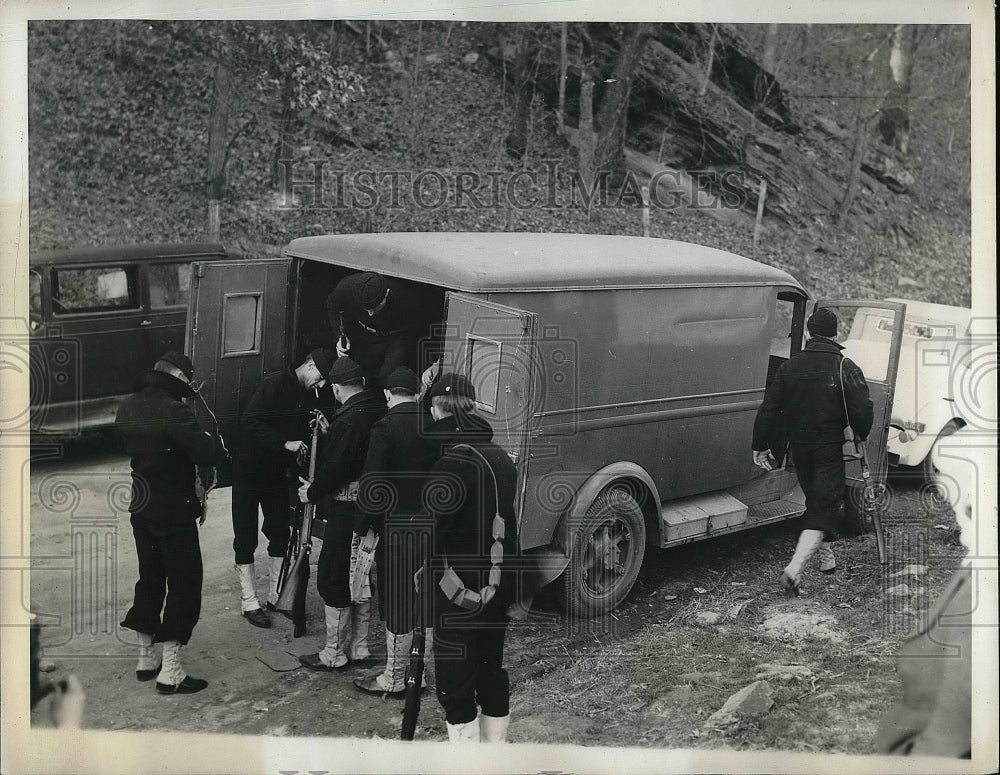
382, 319
470, 493
805, 405
399, 457
272, 446
335, 491
162, 437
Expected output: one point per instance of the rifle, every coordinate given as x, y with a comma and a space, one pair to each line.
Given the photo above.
415, 670
293, 583
871, 496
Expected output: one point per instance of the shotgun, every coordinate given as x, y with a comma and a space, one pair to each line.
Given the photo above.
415, 670
292, 584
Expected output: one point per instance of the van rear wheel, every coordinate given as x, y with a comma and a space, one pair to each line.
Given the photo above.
607, 554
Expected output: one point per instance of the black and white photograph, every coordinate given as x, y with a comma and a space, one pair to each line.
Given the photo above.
523, 387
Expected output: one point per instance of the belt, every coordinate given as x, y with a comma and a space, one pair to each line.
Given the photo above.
349, 492
376, 332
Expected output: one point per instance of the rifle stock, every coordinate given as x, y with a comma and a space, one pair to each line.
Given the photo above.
415, 669
292, 594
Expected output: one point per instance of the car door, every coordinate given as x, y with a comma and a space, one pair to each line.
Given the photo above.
871, 334
237, 332
492, 345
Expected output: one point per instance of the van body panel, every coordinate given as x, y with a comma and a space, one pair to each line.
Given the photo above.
237, 323
95, 324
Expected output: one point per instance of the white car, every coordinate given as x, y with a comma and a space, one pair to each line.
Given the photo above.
933, 379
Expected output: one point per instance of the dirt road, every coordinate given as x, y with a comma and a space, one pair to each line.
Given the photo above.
693, 631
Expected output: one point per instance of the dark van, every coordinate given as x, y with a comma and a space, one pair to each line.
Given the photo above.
98, 316
621, 374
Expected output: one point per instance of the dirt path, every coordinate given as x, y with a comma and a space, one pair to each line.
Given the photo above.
690, 634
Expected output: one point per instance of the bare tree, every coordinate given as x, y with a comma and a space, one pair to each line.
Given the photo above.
894, 121
769, 59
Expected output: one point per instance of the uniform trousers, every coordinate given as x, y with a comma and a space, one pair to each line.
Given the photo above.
333, 569
402, 543
170, 575
271, 495
468, 660
820, 471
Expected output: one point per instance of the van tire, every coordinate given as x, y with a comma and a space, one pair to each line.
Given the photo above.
615, 529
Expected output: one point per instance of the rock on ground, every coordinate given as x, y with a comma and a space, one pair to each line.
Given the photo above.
750, 701
802, 626
707, 617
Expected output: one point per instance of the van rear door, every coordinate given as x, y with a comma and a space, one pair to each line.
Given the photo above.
237, 332
492, 345
871, 333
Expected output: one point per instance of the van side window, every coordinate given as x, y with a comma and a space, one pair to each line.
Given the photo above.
96, 289
169, 284
241, 320
483, 368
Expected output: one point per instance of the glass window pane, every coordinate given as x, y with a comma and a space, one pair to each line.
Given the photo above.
241, 322
866, 334
94, 290
484, 371
35, 293
169, 284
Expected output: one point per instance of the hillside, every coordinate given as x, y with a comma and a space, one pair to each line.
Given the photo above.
119, 117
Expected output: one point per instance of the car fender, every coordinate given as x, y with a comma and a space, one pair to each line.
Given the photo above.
935, 415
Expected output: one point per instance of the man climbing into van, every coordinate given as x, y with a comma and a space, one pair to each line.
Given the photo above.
379, 321
805, 404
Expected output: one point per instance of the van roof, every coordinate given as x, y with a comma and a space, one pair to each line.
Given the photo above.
128, 252
477, 262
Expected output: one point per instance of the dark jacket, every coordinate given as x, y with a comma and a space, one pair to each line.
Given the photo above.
161, 435
399, 457
278, 411
804, 402
462, 499
346, 446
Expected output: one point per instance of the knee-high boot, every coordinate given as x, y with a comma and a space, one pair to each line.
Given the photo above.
391, 681
334, 655
360, 624
809, 541
172, 679
149, 664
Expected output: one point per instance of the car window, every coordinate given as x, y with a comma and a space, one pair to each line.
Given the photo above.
95, 289
35, 293
169, 284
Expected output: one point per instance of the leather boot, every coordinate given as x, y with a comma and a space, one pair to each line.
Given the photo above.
148, 665
172, 678
248, 598
493, 729
464, 733
827, 562
360, 620
391, 682
334, 656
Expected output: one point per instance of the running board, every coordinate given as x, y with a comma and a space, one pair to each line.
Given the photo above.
705, 516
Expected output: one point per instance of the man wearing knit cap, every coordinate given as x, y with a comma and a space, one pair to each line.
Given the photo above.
470, 491
165, 444
399, 457
335, 491
271, 450
804, 404
382, 320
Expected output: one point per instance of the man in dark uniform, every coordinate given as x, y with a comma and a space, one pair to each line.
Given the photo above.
399, 457
161, 435
383, 319
274, 428
470, 493
805, 402
335, 490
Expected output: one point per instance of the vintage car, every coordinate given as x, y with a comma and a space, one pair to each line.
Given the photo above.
97, 317
621, 374
933, 366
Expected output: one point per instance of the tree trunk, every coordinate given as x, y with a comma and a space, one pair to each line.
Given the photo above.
894, 121
563, 67
516, 142
610, 119
280, 170
769, 60
586, 136
854, 177
218, 131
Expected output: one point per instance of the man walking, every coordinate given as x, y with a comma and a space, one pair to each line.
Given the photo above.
274, 428
162, 437
807, 398
470, 491
398, 460
335, 489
